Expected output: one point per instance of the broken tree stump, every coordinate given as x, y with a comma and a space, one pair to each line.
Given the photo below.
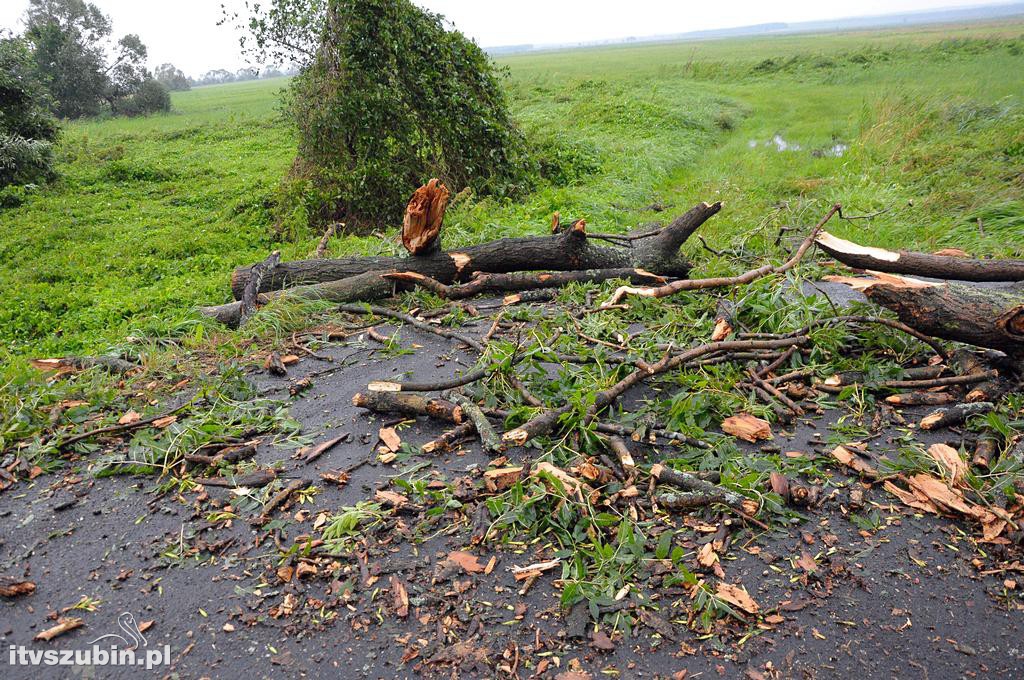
423, 218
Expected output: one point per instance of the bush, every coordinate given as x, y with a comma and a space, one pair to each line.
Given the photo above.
151, 97
27, 130
390, 99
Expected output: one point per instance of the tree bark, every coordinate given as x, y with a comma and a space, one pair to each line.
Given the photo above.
362, 287
920, 264
984, 317
571, 250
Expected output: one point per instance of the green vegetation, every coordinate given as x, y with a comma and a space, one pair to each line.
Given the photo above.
152, 214
27, 129
387, 98
919, 132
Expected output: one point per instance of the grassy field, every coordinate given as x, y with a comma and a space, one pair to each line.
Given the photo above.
151, 214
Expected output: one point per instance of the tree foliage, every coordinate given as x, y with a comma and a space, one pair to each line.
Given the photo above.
70, 40
387, 97
27, 129
173, 78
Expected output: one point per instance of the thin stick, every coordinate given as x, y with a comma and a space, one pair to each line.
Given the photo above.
412, 321
321, 248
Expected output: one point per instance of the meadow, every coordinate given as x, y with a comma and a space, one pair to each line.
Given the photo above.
923, 127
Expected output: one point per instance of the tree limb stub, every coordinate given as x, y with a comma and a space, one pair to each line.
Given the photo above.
568, 251
919, 264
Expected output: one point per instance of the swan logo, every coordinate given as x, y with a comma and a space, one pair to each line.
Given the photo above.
128, 647
132, 638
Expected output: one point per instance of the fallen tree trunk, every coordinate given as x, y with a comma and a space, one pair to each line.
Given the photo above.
363, 287
984, 317
919, 264
571, 250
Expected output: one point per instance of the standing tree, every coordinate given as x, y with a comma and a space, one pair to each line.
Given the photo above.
172, 78
27, 129
67, 36
69, 39
386, 97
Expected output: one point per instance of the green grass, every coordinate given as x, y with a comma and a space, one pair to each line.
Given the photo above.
151, 214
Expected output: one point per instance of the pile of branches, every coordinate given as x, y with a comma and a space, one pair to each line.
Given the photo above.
528, 268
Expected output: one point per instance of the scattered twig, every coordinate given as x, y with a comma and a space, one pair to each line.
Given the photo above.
412, 321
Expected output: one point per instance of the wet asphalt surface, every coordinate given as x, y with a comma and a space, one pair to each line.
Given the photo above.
904, 601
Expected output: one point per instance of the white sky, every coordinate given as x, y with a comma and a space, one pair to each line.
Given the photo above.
185, 32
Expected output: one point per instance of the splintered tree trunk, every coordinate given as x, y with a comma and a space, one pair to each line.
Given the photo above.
571, 250
920, 264
986, 317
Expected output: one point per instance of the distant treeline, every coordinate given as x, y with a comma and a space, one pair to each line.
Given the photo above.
220, 75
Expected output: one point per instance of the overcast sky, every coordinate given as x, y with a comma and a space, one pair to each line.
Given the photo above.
185, 32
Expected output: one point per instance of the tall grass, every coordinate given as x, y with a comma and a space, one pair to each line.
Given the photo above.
152, 214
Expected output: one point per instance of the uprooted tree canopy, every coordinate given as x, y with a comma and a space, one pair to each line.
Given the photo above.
387, 97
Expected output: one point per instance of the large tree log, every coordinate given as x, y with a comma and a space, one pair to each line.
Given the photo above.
920, 264
986, 317
571, 250
362, 288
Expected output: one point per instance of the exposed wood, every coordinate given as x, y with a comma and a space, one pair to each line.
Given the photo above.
954, 415
251, 292
423, 218
571, 250
329, 232
447, 440
64, 625
920, 264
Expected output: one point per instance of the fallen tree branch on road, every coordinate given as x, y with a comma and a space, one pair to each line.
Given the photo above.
567, 251
725, 281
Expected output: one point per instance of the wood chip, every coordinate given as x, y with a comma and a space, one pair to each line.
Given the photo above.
130, 416
400, 596
747, 427
468, 561
500, 479
844, 453
949, 458
737, 596
64, 625
390, 438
